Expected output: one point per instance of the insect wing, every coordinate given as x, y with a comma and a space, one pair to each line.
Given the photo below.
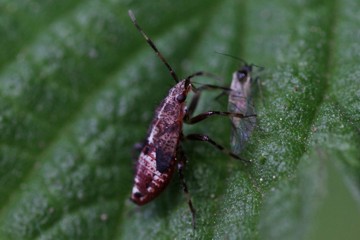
240, 101
241, 128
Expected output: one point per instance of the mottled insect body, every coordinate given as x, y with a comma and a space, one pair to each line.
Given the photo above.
157, 159
162, 153
240, 101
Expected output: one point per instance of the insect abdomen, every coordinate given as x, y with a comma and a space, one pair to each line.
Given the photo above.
149, 181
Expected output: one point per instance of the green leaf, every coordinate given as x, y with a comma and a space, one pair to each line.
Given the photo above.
79, 84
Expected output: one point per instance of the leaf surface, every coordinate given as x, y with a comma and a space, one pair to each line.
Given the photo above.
79, 84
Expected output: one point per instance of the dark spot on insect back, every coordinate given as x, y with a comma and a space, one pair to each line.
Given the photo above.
163, 160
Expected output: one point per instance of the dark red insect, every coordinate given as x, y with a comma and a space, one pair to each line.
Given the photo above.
162, 151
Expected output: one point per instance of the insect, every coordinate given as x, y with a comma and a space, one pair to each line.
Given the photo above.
240, 101
162, 152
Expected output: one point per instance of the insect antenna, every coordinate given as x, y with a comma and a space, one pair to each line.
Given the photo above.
152, 45
241, 60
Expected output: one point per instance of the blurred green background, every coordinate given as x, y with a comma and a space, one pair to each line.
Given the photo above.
78, 87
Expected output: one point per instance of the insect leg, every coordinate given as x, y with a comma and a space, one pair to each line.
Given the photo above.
205, 138
180, 165
202, 73
196, 97
192, 120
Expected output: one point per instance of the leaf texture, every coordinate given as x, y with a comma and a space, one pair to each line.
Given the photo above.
79, 84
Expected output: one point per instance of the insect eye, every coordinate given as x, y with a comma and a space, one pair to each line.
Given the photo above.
241, 75
181, 98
